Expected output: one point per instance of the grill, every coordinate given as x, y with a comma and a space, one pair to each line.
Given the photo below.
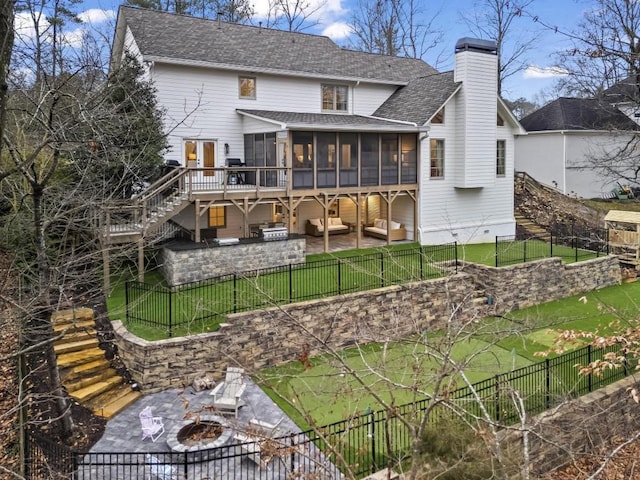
274, 233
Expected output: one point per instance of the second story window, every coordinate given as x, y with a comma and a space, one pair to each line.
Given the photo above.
501, 158
334, 98
437, 158
247, 87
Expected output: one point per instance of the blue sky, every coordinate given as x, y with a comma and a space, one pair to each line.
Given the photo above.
333, 19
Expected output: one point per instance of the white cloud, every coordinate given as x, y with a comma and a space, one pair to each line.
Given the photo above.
337, 31
533, 71
324, 11
96, 15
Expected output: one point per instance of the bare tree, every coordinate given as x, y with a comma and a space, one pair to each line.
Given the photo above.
66, 130
233, 11
606, 48
294, 15
501, 20
394, 27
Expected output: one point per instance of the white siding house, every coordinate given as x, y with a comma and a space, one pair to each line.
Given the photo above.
320, 131
578, 145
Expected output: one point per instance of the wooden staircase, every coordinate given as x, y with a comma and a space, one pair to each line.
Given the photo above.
149, 212
531, 227
85, 372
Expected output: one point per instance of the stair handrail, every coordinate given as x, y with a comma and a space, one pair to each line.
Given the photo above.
163, 183
140, 206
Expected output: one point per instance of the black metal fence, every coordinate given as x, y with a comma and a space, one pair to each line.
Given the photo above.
171, 309
567, 242
358, 446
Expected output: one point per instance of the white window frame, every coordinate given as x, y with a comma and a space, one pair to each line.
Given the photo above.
241, 78
334, 96
439, 147
501, 158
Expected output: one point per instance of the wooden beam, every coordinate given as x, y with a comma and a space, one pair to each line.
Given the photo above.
197, 219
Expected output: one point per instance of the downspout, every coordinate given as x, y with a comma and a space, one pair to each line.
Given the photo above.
423, 134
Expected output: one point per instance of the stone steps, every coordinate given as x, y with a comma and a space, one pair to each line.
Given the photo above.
85, 372
530, 227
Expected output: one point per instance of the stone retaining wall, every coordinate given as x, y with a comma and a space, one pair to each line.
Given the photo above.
273, 336
533, 283
185, 265
581, 426
270, 337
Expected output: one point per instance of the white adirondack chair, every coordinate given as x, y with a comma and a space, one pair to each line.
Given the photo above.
152, 426
226, 395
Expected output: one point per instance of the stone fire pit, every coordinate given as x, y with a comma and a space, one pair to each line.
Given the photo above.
179, 442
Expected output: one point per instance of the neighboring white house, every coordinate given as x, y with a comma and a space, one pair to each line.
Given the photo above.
318, 131
578, 145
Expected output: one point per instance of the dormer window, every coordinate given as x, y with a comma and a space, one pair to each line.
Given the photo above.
247, 86
334, 98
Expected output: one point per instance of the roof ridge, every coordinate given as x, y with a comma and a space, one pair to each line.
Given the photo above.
229, 24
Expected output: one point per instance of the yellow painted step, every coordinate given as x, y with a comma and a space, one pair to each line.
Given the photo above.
84, 369
83, 382
72, 316
88, 325
91, 391
76, 336
114, 401
73, 359
80, 345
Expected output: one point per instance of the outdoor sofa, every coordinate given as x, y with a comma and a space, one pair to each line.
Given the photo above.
379, 230
315, 227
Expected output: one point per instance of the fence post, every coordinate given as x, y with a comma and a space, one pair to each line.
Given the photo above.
455, 247
235, 293
588, 362
524, 251
496, 252
547, 382
339, 277
421, 253
497, 395
126, 301
185, 464
381, 269
551, 243
170, 293
293, 452
372, 432
575, 247
290, 283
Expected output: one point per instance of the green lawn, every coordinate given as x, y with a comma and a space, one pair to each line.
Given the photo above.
506, 343
329, 395
200, 309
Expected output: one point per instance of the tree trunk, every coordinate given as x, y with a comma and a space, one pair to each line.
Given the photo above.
43, 314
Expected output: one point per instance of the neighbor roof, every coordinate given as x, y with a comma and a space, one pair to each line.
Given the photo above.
577, 114
624, 91
420, 99
331, 121
162, 36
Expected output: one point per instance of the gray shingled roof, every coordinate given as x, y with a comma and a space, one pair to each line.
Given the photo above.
333, 121
624, 91
161, 35
577, 114
420, 99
